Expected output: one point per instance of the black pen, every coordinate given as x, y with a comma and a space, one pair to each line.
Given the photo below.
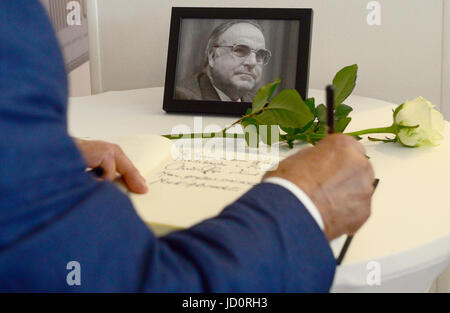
330, 108
330, 124
97, 172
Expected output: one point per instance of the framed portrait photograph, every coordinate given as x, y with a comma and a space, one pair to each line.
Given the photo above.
218, 58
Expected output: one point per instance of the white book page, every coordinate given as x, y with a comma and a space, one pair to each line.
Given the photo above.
146, 152
186, 191
337, 245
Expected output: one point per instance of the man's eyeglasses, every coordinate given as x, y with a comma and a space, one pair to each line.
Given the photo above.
262, 55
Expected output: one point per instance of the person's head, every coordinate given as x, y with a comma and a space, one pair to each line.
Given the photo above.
235, 56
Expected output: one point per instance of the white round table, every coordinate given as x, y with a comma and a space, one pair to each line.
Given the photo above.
406, 241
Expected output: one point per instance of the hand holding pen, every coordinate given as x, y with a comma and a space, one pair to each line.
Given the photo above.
330, 124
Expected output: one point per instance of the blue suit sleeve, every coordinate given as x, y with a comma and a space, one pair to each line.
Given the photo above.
264, 242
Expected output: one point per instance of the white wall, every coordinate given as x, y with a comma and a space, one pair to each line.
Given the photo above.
80, 81
445, 104
398, 60
443, 282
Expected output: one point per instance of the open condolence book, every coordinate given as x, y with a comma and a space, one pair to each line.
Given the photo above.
188, 183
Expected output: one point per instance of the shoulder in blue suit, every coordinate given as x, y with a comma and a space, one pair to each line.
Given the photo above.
52, 213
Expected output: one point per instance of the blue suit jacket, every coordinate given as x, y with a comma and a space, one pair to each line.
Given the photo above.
52, 213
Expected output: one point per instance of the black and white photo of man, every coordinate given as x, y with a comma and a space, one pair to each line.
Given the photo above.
228, 60
234, 61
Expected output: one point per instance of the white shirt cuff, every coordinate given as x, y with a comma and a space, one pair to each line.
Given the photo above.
301, 196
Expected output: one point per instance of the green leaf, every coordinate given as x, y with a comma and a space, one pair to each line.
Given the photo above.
287, 109
322, 128
344, 82
290, 143
263, 95
290, 135
342, 111
249, 132
342, 124
307, 127
288, 130
321, 113
295, 131
266, 135
311, 105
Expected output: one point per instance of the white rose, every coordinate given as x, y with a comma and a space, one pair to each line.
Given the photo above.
419, 112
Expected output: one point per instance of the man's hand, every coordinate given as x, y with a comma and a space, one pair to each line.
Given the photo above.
112, 160
338, 178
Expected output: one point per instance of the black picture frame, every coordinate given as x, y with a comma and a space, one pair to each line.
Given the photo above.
305, 18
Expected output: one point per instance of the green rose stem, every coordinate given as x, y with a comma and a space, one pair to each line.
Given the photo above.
393, 129
381, 130
303, 137
243, 118
218, 134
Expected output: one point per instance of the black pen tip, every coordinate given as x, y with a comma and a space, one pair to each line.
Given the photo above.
97, 172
